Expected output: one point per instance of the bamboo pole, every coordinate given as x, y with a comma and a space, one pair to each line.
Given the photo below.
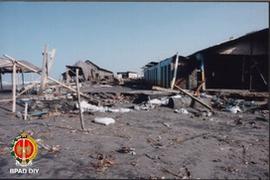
79, 99
14, 87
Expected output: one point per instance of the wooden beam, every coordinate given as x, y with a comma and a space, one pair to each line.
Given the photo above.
43, 80
175, 71
1, 81
51, 59
25, 110
14, 88
79, 99
22, 78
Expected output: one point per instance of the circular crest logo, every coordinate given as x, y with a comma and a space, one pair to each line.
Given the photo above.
24, 149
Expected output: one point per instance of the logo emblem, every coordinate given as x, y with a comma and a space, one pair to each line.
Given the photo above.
24, 149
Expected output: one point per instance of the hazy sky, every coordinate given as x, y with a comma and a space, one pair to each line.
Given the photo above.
121, 36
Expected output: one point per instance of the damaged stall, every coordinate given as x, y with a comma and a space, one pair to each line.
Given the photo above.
6, 67
240, 63
13, 67
176, 70
89, 72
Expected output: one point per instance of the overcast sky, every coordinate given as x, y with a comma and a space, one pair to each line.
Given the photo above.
121, 36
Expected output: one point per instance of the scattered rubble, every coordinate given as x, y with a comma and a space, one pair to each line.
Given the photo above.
127, 150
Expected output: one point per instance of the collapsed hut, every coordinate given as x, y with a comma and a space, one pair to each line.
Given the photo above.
89, 71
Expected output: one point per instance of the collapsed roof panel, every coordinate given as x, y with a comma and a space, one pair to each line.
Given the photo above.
6, 66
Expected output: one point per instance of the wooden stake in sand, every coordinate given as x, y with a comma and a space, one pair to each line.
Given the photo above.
79, 101
14, 87
25, 110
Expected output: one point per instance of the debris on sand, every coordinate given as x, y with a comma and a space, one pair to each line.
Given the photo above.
86, 107
181, 111
234, 109
104, 120
51, 149
127, 150
103, 163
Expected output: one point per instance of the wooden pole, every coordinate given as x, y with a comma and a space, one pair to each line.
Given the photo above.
14, 87
79, 101
175, 71
22, 78
44, 70
1, 82
25, 110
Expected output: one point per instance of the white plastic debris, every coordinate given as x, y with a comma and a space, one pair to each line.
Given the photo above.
234, 109
204, 95
181, 110
89, 107
155, 101
176, 96
104, 120
92, 108
162, 101
121, 110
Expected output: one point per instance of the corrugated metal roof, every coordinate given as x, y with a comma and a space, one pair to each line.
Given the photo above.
236, 46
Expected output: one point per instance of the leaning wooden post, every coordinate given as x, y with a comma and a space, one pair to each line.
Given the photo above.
1, 83
79, 101
44, 70
25, 110
22, 78
175, 71
14, 87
